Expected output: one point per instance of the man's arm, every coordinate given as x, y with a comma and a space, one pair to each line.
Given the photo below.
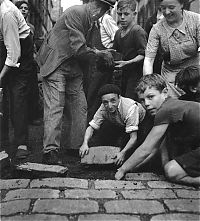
149, 146
131, 144
84, 149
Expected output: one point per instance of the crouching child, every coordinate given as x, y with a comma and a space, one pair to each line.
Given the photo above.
115, 123
178, 123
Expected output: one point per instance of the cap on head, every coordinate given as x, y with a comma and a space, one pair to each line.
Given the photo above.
109, 2
109, 89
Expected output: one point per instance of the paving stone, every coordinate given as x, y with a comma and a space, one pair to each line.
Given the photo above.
13, 207
134, 207
148, 194
143, 176
31, 194
100, 155
188, 194
90, 194
114, 184
37, 217
61, 206
183, 205
60, 182
107, 217
14, 183
165, 185
177, 217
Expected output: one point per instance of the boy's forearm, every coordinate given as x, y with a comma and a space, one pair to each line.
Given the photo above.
131, 143
136, 159
88, 134
136, 59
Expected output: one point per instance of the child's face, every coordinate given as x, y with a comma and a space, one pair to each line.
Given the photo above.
24, 10
126, 17
152, 99
110, 102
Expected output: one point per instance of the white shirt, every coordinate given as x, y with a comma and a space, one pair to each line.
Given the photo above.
13, 27
129, 114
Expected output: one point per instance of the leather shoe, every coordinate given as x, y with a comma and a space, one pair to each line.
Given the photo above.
51, 158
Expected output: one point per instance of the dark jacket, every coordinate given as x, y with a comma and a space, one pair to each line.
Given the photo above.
67, 40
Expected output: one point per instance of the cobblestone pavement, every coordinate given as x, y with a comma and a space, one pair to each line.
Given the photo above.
141, 197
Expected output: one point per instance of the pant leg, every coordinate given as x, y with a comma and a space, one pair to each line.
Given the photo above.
54, 102
18, 92
76, 117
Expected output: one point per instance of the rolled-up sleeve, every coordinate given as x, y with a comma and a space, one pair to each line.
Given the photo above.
11, 40
132, 119
141, 41
98, 118
152, 44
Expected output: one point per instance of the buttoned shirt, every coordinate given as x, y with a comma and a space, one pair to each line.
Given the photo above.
13, 27
128, 115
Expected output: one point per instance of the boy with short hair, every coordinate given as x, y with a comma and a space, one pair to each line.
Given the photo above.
189, 81
130, 40
116, 118
175, 120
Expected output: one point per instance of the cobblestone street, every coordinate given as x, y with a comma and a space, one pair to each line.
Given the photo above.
142, 196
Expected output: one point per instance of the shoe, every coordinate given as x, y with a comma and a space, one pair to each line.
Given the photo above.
51, 158
21, 154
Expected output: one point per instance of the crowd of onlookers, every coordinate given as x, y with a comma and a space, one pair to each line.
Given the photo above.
116, 83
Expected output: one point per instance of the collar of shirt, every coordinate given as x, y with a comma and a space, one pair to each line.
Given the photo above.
120, 101
171, 30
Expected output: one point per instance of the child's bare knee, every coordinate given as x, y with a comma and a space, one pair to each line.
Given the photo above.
170, 170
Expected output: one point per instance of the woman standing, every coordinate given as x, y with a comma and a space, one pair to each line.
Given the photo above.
177, 35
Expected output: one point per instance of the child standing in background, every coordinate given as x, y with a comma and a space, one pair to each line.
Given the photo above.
130, 40
189, 81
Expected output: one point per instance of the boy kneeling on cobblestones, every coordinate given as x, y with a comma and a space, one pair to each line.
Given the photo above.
115, 123
176, 127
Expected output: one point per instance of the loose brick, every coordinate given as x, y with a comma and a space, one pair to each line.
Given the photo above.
143, 176
37, 217
31, 194
60, 206
177, 217
148, 194
134, 207
165, 185
188, 194
183, 205
101, 155
60, 182
14, 183
13, 207
90, 194
107, 217
113, 184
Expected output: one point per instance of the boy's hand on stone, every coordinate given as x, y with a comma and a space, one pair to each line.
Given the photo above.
120, 158
84, 149
120, 174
